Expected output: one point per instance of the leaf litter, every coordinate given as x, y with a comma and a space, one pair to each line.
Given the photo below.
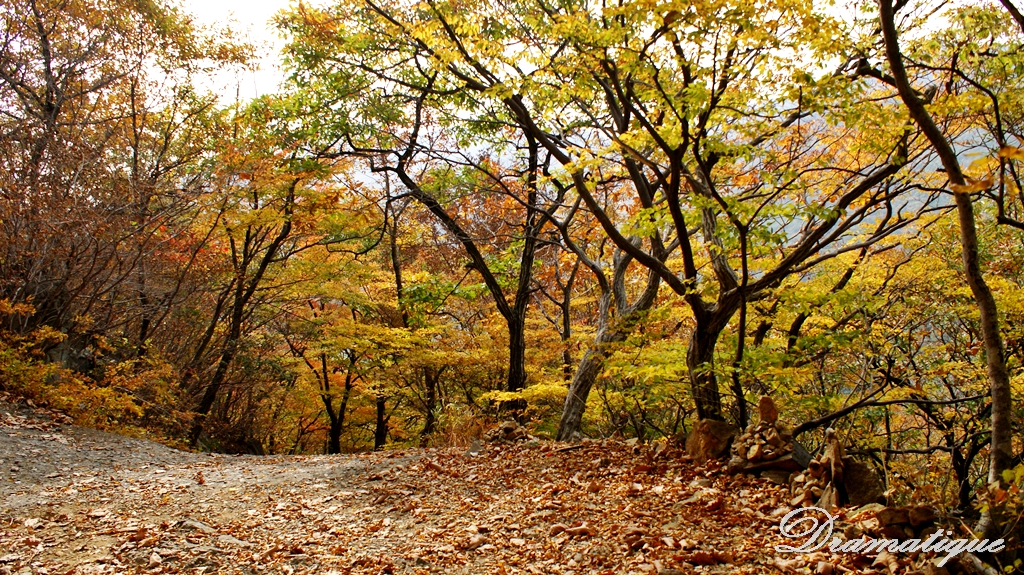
600, 508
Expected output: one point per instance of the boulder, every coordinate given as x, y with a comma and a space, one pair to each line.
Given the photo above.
863, 485
921, 516
893, 516
709, 439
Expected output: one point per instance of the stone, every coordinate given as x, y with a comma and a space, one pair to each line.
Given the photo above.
895, 532
863, 485
801, 455
197, 526
787, 463
709, 439
776, 476
229, 540
829, 499
754, 453
921, 515
475, 541
767, 410
893, 516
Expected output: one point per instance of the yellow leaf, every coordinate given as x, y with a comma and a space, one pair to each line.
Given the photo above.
972, 185
1012, 153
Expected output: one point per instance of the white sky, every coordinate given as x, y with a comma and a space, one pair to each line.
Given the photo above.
251, 19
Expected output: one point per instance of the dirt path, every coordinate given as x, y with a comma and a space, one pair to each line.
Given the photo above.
81, 501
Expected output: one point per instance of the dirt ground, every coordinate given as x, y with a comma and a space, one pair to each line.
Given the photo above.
74, 500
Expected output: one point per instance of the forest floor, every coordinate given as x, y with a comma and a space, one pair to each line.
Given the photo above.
75, 500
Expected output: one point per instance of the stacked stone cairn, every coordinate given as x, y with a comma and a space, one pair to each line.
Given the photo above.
508, 432
819, 484
764, 445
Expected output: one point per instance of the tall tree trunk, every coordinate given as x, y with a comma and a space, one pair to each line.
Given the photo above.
334, 434
998, 376
700, 360
243, 294
210, 395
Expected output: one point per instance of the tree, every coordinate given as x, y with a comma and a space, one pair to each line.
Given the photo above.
100, 156
616, 318
712, 151
493, 203
1001, 451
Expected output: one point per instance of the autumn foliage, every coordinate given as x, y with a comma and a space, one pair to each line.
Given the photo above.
598, 220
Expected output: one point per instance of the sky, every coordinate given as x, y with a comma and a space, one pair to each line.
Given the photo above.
250, 18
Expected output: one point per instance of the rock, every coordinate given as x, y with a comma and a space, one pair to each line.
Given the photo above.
197, 526
475, 541
767, 410
863, 485
800, 455
229, 540
155, 560
896, 532
507, 431
893, 516
921, 515
709, 439
754, 453
776, 476
824, 568
829, 498
787, 463
736, 464
580, 531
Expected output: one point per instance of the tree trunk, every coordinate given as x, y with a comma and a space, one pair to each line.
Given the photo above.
1001, 450
607, 333
586, 374
700, 361
210, 395
516, 354
380, 432
430, 379
334, 435
337, 417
